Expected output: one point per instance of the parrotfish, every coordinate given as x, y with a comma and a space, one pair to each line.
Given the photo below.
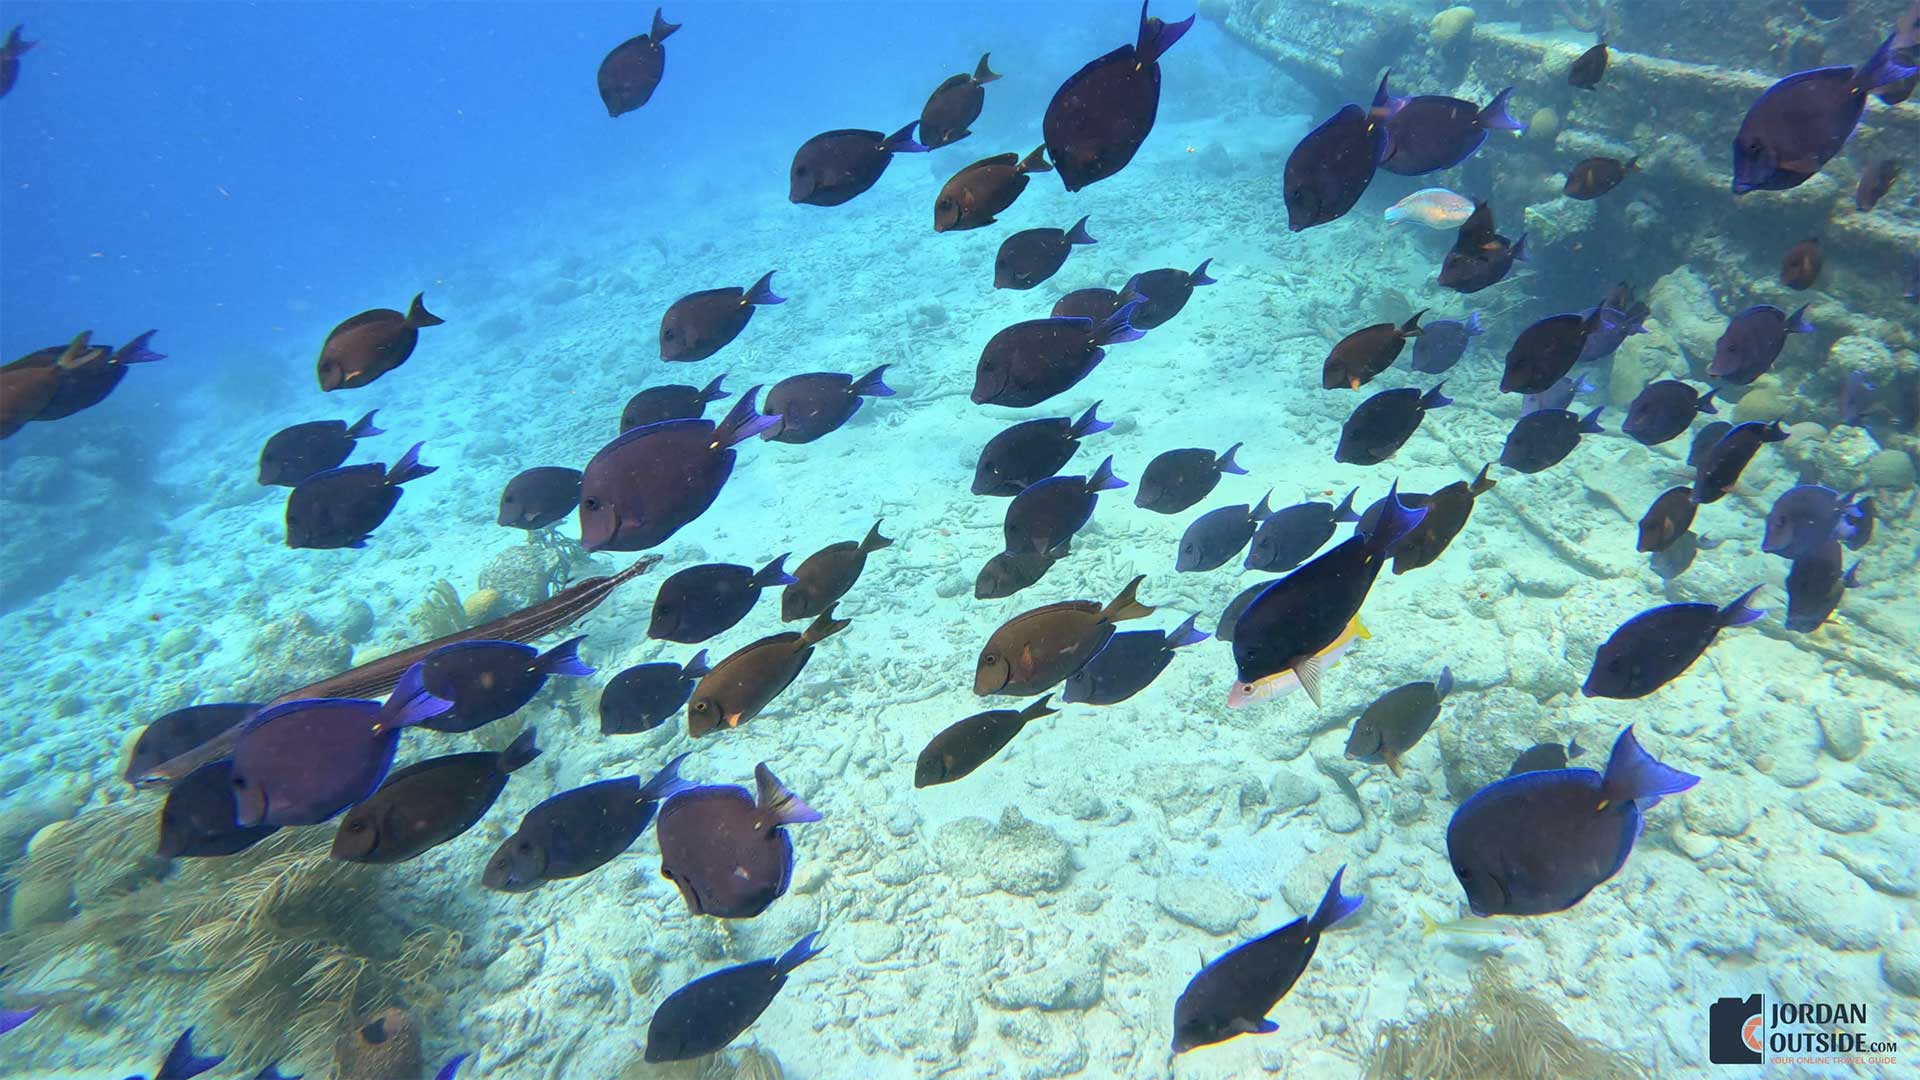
1436, 208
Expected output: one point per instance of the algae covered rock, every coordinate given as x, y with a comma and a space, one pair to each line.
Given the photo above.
1014, 855
1454, 26
1889, 469
293, 652
1682, 303
1764, 402
39, 900
1203, 903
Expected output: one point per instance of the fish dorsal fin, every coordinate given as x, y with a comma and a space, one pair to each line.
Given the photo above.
1308, 672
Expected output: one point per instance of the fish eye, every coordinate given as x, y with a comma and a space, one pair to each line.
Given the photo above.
356, 826
1460, 871
590, 503
701, 706
240, 781
989, 660
524, 847
799, 170
669, 333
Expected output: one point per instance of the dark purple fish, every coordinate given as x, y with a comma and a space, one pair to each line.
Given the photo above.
1617, 322
972, 197
826, 575
727, 850
630, 73
578, 831
1480, 257
1864, 515
1664, 410
1654, 647
1807, 517
1444, 343
1431, 132
10, 53
818, 403
1548, 349
1355, 359
1596, 176
1673, 560
1217, 536
1031, 256
1029, 362
1910, 282
650, 482
302, 762
1447, 512
13, 1018
645, 696
1856, 398
1233, 993
1290, 536
713, 1010
1030, 451
1541, 440
182, 1063
484, 681
833, 167
1542, 757
1043, 518
674, 401
1667, 520
1382, 424
1586, 71
954, 105
1875, 181
1009, 572
1331, 167
1164, 292
1230, 615
1753, 340
965, 745
371, 344
1800, 266
1720, 466
700, 324
1803, 120
429, 803
1704, 440
705, 601
180, 731
340, 508
539, 497
1097, 304
1539, 842
1815, 586
83, 380
1103, 112
1128, 664
1558, 396
200, 817
1177, 479
294, 453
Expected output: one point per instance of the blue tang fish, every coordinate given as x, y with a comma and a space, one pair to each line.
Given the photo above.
488, 680
1331, 167
1656, 646
1803, 120
713, 1010
726, 849
182, 1063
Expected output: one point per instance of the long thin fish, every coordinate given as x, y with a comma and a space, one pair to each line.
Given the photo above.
375, 678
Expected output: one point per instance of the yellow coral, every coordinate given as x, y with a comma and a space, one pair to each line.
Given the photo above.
1455, 22
480, 605
1544, 125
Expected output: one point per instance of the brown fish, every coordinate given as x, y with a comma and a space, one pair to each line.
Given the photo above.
1596, 176
631, 72
827, 575
29, 384
1669, 518
10, 53
968, 744
1036, 650
1875, 181
428, 803
972, 196
1447, 513
740, 686
1586, 72
1366, 353
954, 105
371, 344
1801, 266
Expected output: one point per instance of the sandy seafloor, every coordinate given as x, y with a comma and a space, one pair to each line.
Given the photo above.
1039, 918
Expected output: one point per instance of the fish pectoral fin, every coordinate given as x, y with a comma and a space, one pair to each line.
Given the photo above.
1261, 1026
1027, 662
1308, 672
733, 719
1393, 760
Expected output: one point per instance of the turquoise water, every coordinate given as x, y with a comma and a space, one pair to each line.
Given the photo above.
244, 179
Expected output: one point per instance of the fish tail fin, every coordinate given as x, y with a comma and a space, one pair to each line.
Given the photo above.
1519, 250
822, 628
418, 315
563, 659
1741, 611
743, 422
1103, 478
1397, 519
872, 384
1225, 463
695, 667
1265, 509
1632, 773
1474, 329
1495, 116
1088, 424
1186, 634
774, 573
17, 45
1705, 402
410, 703
662, 29
1584, 386
713, 391
1344, 512
903, 142
1481, 485
1633, 164
1334, 907
1119, 326
520, 751
1127, 605
1043, 706
1156, 37
1590, 423
1851, 579
1035, 162
1434, 399
874, 541
667, 781
773, 797
1411, 328
271, 1071
1200, 276
137, 352
182, 1061
1428, 927
409, 467
1444, 684
1078, 234
1775, 432
761, 293
982, 74
1881, 68
452, 1067
802, 951
363, 427
1797, 322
